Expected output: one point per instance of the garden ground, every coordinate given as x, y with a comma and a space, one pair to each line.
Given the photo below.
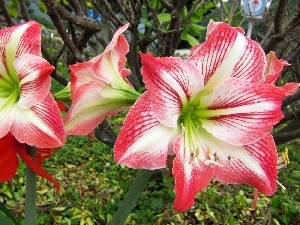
93, 185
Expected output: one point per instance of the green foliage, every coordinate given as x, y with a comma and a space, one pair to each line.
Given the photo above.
93, 186
13, 8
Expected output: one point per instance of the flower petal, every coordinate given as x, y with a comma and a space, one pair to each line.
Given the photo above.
34, 74
91, 104
110, 65
212, 25
18, 40
228, 53
7, 113
171, 82
274, 68
44, 153
33, 165
201, 157
81, 74
39, 126
241, 112
290, 88
191, 176
9, 161
143, 141
256, 165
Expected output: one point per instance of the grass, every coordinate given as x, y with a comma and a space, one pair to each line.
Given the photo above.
92, 187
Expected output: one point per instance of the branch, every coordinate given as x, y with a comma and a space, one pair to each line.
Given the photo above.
58, 77
6, 14
24, 10
278, 27
81, 21
77, 7
167, 5
105, 134
123, 8
292, 98
173, 38
111, 12
52, 12
284, 137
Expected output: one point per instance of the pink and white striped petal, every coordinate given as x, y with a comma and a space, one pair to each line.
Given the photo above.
201, 157
191, 175
290, 88
92, 103
110, 65
228, 53
18, 40
9, 161
39, 126
171, 82
273, 71
240, 112
143, 141
261, 173
81, 74
7, 113
212, 25
34, 74
274, 68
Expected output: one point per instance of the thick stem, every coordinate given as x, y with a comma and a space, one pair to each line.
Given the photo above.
133, 194
30, 195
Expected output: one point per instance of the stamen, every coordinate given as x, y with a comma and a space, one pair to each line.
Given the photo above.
281, 185
229, 159
216, 157
194, 154
283, 160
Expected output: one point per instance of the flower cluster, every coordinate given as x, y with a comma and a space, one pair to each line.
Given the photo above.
212, 112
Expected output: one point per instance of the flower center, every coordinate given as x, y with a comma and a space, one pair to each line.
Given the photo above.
9, 89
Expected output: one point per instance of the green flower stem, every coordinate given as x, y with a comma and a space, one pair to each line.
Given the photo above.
133, 194
30, 195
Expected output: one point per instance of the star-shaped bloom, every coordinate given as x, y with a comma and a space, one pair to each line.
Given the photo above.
214, 111
27, 108
99, 87
28, 112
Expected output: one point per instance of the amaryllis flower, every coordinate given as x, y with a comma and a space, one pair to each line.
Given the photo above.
99, 87
27, 108
214, 111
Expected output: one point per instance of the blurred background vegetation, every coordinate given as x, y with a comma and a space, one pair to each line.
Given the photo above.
92, 184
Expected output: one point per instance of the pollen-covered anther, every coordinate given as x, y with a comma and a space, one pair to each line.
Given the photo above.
194, 154
283, 160
212, 160
229, 159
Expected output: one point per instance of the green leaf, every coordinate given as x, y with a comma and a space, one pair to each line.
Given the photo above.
13, 11
197, 28
4, 220
191, 40
147, 23
231, 220
184, 34
5, 215
144, 12
276, 202
42, 7
164, 17
209, 5
184, 12
195, 17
